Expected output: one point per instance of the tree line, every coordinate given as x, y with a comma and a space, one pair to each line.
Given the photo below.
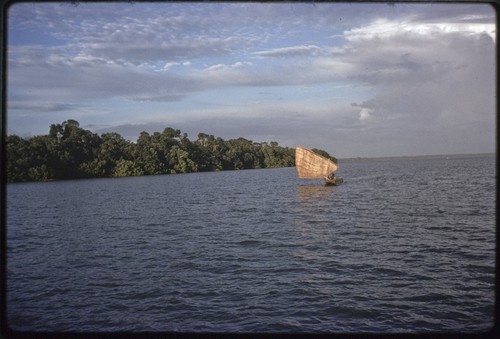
70, 152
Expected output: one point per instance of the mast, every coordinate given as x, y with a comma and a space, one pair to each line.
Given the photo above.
311, 165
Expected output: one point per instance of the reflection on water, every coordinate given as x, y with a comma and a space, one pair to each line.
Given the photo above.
314, 193
315, 211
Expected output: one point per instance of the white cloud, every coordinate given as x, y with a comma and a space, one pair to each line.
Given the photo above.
384, 28
224, 67
428, 88
302, 50
169, 65
364, 114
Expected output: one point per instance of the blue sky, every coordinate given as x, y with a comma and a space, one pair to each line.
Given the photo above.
353, 79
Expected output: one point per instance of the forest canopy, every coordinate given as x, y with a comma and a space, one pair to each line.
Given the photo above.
70, 152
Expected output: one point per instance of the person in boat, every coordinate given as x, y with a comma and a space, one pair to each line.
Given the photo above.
331, 176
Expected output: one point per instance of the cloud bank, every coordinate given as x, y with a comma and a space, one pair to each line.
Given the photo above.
365, 80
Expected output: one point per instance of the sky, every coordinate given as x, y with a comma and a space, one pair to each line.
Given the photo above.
356, 80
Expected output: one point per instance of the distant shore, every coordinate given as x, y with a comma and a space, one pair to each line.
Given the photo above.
436, 156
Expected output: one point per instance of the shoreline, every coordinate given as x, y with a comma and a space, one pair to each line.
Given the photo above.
409, 157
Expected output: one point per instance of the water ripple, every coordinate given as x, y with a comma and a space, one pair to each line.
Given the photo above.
397, 248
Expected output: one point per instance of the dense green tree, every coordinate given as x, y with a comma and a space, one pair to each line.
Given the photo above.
73, 151
19, 159
113, 148
150, 154
180, 162
127, 168
69, 151
211, 153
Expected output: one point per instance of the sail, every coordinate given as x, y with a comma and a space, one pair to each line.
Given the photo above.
311, 165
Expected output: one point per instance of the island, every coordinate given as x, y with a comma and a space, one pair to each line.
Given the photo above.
71, 152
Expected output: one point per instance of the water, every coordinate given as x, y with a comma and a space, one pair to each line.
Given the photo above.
404, 245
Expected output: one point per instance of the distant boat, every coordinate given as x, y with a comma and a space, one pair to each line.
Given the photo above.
311, 165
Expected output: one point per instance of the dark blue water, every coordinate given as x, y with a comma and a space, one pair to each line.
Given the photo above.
404, 245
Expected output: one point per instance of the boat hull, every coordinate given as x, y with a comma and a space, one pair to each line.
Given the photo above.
335, 182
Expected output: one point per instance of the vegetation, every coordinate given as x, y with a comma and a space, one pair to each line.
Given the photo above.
70, 152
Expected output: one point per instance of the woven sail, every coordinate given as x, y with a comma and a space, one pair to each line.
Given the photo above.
311, 165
